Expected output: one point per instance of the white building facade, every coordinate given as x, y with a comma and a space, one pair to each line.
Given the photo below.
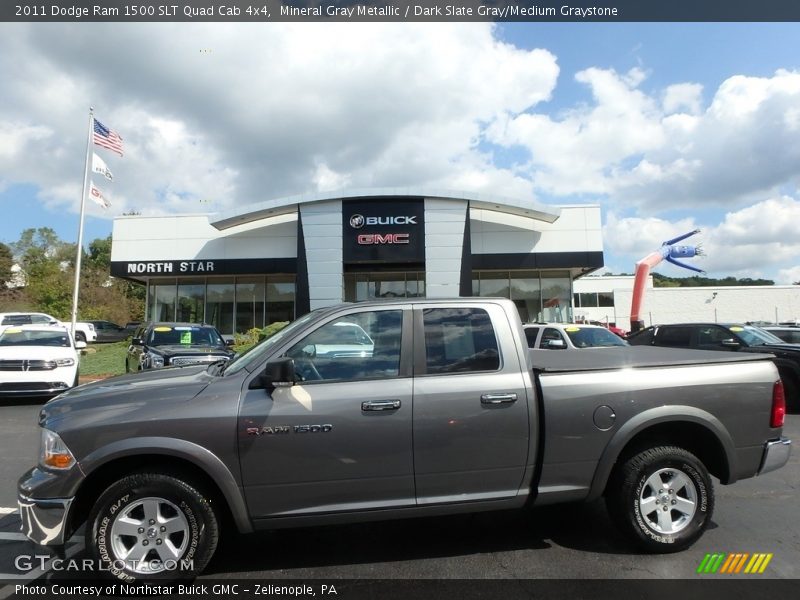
278, 259
608, 299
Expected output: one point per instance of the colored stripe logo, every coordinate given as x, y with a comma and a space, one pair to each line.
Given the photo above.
734, 563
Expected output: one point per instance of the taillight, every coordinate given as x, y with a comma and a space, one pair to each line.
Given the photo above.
778, 405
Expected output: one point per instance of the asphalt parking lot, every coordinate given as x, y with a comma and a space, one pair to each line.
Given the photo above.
564, 542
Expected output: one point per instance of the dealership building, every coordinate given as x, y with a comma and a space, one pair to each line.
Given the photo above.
278, 259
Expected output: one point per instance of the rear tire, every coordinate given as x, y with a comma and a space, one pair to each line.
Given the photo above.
152, 527
661, 498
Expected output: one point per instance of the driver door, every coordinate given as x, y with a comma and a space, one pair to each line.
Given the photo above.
341, 438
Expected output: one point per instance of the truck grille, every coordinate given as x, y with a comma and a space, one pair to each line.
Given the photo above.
193, 360
27, 365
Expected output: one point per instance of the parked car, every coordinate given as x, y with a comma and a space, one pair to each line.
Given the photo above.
37, 360
732, 337
156, 345
448, 414
789, 335
110, 332
84, 332
559, 336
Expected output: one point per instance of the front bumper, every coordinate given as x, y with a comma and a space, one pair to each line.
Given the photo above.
44, 521
776, 454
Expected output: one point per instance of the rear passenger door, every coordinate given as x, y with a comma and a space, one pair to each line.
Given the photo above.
471, 422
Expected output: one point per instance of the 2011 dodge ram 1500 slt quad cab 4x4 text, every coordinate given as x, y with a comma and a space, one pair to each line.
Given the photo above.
446, 410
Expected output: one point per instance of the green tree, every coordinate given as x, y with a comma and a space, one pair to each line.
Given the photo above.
6, 262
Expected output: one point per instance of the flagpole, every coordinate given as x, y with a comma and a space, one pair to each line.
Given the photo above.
80, 227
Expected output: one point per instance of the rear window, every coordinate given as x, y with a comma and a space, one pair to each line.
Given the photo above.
17, 320
459, 340
679, 337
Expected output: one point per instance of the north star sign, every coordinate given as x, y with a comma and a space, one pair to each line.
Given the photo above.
171, 266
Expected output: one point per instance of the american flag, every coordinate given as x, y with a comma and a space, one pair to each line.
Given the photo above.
106, 138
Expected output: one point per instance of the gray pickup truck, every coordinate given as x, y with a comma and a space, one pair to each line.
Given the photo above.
439, 409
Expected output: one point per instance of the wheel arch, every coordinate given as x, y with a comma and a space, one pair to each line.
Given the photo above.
691, 428
178, 458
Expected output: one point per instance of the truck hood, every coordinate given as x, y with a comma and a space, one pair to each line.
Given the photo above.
120, 398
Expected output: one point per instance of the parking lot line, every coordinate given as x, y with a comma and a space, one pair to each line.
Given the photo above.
13, 535
4, 510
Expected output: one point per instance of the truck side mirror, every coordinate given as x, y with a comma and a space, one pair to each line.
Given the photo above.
556, 344
730, 343
80, 345
136, 341
278, 372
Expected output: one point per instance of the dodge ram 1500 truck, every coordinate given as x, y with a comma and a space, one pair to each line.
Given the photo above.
445, 410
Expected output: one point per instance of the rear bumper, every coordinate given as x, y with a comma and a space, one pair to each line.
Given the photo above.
44, 522
776, 454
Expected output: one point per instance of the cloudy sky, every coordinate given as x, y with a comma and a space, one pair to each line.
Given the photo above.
669, 127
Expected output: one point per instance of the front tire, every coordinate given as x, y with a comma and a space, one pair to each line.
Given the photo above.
80, 336
152, 527
661, 498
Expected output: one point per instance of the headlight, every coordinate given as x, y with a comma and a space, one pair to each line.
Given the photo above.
65, 362
156, 360
53, 452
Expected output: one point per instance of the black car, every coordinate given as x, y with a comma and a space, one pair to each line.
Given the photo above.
156, 345
786, 333
731, 337
110, 332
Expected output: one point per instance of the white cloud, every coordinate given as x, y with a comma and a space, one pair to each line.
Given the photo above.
683, 97
669, 153
255, 116
756, 241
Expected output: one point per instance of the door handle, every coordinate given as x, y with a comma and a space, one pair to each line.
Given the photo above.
380, 405
498, 398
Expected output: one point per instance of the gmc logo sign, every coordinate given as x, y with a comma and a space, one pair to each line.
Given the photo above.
366, 239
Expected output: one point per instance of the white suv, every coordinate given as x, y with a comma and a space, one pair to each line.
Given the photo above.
560, 336
84, 332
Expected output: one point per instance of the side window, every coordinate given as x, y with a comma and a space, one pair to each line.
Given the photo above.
40, 319
530, 335
551, 334
712, 335
459, 340
644, 338
677, 337
357, 346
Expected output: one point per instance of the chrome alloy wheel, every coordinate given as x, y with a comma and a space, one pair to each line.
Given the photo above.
668, 501
149, 535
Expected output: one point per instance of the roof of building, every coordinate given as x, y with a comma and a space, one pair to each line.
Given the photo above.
290, 204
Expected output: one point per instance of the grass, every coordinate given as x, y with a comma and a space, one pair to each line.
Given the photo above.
107, 360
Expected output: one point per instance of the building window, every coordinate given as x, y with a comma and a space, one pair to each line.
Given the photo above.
162, 301
368, 286
220, 304
232, 305
250, 292
191, 297
540, 296
526, 293
556, 297
280, 298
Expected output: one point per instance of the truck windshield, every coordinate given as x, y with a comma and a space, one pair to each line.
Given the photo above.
255, 354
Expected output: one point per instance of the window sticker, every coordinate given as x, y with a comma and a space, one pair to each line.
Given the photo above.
572, 329
162, 329
737, 328
186, 337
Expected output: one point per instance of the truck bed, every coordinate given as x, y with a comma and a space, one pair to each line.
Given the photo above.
604, 359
